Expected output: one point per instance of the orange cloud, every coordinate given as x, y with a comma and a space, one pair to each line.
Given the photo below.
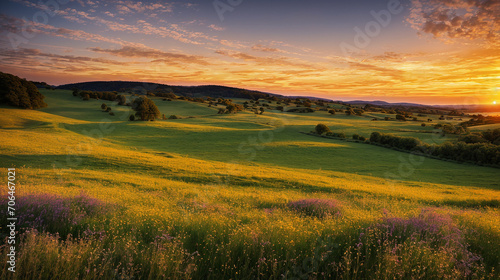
457, 19
143, 52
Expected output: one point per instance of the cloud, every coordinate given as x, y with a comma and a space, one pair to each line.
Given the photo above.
30, 59
216, 28
385, 71
144, 52
457, 19
10, 24
15, 25
123, 9
267, 61
262, 48
141, 7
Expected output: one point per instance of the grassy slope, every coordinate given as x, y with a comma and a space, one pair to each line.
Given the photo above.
170, 171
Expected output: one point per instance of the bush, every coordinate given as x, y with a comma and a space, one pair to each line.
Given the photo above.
423, 125
321, 129
131, 118
104, 106
86, 97
355, 136
320, 208
173, 117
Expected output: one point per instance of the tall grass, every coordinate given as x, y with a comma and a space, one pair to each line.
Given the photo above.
189, 215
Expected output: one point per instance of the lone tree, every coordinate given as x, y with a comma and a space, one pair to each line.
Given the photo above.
261, 110
145, 108
321, 129
332, 111
104, 106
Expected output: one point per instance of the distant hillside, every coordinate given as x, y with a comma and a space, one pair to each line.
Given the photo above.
192, 91
383, 103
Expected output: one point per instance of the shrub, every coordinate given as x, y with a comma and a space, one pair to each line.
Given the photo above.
173, 117
362, 138
86, 97
375, 137
131, 118
321, 129
423, 125
104, 106
320, 208
355, 136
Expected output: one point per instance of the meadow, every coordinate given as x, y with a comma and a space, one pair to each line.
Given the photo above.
239, 196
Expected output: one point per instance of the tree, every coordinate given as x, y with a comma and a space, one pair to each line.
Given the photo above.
331, 111
145, 109
359, 112
350, 112
321, 129
400, 117
19, 92
104, 106
261, 110
122, 100
233, 108
86, 97
131, 118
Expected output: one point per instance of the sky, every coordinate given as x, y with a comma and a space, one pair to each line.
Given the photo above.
423, 51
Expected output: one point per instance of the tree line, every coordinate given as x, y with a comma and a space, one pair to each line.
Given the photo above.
462, 151
479, 147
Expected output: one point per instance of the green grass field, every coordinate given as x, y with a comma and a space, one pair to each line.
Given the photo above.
208, 196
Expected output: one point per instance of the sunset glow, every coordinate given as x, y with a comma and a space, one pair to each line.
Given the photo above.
425, 51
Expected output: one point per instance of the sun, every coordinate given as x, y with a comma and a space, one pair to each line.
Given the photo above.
494, 103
